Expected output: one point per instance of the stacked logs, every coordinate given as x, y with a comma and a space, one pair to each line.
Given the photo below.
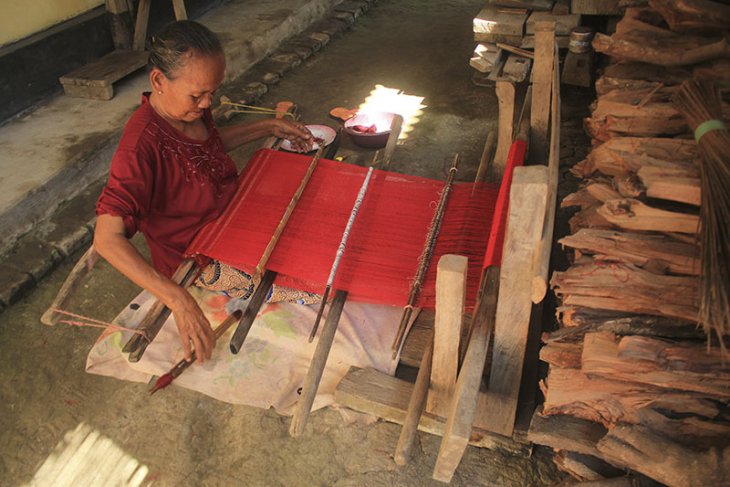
632, 379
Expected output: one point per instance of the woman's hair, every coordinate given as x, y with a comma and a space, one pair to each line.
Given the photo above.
169, 47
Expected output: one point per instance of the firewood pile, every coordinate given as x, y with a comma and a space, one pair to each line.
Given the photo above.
634, 382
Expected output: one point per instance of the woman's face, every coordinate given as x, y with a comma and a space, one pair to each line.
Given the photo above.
191, 89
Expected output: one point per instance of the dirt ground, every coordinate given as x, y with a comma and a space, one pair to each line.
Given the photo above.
184, 438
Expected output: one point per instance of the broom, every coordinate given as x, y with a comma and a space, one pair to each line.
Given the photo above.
700, 102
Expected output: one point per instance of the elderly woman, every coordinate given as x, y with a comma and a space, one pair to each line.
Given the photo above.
171, 175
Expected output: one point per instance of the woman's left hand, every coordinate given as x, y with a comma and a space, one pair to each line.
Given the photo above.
296, 133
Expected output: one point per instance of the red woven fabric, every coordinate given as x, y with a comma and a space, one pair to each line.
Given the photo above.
516, 157
386, 240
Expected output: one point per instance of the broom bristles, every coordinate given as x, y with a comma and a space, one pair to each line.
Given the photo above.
700, 101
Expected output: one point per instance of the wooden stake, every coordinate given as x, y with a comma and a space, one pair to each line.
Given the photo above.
316, 368
395, 128
486, 160
416, 405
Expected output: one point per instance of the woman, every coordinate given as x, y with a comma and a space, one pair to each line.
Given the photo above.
171, 175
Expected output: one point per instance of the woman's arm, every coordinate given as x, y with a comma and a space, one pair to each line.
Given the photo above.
112, 244
235, 135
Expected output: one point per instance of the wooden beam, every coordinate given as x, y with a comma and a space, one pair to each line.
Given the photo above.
450, 296
541, 263
463, 407
542, 76
506, 95
528, 197
387, 397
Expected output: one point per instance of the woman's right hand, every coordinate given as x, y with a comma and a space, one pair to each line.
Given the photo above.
193, 327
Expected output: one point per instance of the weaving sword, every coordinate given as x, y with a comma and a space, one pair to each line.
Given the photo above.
341, 250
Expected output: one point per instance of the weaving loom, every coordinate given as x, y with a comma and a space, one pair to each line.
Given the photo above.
386, 241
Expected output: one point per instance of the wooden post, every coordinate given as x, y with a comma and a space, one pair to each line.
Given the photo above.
179, 7
541, 264
395, 128
121, 23
316, 368
416, 405
463, 407
140, 27
450, 296
541, 82
506, 94
528, 198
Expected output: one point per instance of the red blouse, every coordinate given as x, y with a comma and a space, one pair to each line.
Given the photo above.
167, 185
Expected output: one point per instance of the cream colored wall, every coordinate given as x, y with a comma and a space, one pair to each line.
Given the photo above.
21, 18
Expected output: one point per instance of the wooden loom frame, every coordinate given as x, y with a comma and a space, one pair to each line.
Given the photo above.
487, 419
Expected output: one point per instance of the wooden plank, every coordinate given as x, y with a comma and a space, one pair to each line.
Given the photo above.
92, 92
140, 27
484, 57
465, 402
491, 20
542, 76
563, 23
515, 69
106, 70
418, 338
528, 4
595, 7
450, 298
373, 392
506, 96
416, 405
528, 197
541, 263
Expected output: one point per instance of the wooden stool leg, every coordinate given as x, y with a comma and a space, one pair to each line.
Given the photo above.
140, 28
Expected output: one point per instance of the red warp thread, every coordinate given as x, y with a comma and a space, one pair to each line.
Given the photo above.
515, 158
385, 242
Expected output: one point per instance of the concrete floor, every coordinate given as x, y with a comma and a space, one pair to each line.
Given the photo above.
48, 404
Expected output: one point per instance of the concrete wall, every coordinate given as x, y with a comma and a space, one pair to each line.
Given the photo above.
22, 18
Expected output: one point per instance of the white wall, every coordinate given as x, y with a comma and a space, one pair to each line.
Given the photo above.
22, 18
